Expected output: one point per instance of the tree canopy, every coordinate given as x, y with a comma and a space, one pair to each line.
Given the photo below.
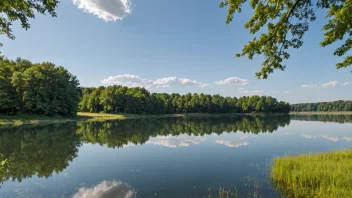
119, 99
22, 10
40, 88
286, 22
339, 105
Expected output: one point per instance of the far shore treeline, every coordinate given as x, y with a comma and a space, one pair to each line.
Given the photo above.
119, 99
339, 105
47, 89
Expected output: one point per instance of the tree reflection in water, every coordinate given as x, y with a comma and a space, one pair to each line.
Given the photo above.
43, 150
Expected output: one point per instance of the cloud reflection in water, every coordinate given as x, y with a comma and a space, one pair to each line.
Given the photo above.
176, 141
231, 144
107, 189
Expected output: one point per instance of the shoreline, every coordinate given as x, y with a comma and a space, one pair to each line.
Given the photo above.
25, 119
322, 113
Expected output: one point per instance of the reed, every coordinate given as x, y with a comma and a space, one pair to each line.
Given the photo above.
322, 175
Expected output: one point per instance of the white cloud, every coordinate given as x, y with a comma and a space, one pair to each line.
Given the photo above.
250, 91
232, 81
106, 189
108, 10
232, 144
309, 86
284, 92
345, 84
128, 80
173, 81
176, 141
136, 81
330, 84
326, 85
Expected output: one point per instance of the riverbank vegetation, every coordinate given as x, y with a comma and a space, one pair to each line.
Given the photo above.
119, 99
37, 88
335, 106
314, 175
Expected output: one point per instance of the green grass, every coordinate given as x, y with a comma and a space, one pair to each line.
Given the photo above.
20, 119
321, 175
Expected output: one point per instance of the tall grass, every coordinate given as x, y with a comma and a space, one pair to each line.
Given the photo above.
320, 175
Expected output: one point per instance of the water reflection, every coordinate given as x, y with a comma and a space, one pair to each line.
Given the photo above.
234, 143
176, 141
37, 151
44, 150
347, 138
340, 118
107, 189
120, 133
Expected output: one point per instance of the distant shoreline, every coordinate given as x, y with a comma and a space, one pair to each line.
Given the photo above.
322, 112
25, 119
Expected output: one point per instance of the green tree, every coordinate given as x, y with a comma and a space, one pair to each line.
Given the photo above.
287, 22
41, 88
22, 10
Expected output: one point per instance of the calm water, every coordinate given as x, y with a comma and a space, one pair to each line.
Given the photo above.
160, 158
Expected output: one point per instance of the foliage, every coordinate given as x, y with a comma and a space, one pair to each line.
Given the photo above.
286, 23
314, 175
40, 88
119, 99
323, 106
22, 10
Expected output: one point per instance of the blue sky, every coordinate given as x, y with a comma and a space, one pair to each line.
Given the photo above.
174, 46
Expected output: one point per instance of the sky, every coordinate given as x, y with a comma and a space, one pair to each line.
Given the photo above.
174, 46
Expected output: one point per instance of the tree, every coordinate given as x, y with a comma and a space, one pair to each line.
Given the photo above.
41, 88
286, 22
22, 10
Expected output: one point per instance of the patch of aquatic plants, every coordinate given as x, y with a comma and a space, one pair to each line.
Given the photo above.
322, 175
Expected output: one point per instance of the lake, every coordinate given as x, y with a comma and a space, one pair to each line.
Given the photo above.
169, 157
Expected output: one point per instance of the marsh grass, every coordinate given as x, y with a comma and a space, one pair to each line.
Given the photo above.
322, 175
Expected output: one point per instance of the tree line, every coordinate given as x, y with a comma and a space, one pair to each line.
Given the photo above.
37, 88
339, 105
120, 99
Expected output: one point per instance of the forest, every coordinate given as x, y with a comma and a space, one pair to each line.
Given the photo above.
119, 99
37, 88
339, 105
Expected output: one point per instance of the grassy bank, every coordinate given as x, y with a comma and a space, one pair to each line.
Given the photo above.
320, 175
322, 113
20, 119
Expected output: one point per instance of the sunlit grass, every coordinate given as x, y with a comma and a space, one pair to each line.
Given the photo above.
320, 175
